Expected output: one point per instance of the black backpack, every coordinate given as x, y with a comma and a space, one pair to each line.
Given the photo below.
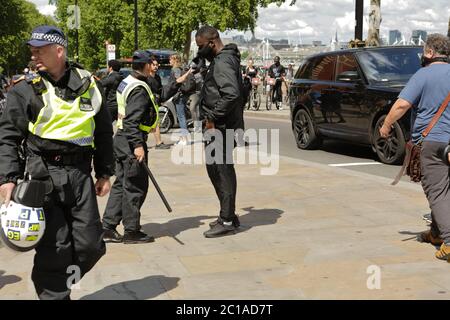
189, 86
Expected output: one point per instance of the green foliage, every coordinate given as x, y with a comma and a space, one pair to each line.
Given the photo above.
162, 23
17, 19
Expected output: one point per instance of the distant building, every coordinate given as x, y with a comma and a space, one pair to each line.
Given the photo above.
418, 36
239, 39
317, 43
395, 36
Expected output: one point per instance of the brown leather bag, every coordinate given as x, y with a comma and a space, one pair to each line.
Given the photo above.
411, 164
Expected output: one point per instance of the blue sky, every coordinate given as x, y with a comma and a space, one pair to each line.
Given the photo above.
319, 20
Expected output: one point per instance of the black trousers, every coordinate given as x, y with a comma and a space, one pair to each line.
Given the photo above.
127, 195
220, 168
73, 239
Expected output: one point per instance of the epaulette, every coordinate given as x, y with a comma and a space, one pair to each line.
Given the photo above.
35, 80
32, 78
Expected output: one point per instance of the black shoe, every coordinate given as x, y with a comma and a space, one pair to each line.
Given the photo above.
137, 237
111, 235
162, 146
236, 222
220, 230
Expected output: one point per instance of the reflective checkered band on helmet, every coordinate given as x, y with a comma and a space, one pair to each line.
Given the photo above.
54, 38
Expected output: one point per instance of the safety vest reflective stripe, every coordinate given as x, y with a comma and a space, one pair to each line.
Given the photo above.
123, 91
69, 121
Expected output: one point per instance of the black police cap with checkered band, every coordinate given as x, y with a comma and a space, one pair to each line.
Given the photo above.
45, 35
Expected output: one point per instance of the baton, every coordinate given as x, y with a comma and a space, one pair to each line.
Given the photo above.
163, 198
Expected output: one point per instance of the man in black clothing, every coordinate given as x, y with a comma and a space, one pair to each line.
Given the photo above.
110, 84
155, 83
221, 105
277, 71
59, 148
137, 115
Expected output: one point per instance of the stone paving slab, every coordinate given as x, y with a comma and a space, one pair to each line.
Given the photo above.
309, 232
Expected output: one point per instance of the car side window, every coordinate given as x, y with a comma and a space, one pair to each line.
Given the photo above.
323, 69
347, 67
304, 72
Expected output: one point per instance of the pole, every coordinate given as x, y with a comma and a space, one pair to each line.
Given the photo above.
136, 44
76, 32
163, 198
359, 12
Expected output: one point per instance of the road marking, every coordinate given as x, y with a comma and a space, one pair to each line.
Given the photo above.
353, 164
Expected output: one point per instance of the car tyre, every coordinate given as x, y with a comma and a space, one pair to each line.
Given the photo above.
305, 131
392, 149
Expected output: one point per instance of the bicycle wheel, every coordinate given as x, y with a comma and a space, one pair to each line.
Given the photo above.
269, 100
249, 102
257, 101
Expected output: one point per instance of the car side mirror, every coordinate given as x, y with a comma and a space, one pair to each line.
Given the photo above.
349, 76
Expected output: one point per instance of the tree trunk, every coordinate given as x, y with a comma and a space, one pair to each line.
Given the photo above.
187, 46
373, 38
448, 32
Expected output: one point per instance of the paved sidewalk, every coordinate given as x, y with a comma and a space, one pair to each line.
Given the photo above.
309, 232
269, 114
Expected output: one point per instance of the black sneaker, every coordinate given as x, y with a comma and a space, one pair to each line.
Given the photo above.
162, 146
220, 230
137, 237
236, 222
111, 235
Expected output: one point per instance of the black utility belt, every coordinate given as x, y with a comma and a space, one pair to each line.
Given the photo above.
68, 159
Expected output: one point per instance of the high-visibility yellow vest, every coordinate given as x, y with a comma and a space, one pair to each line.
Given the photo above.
69, 121
123, 91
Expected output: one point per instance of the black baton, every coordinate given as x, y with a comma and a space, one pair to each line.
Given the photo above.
163, 198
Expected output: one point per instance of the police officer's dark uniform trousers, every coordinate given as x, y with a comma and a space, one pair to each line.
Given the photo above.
57, 121
137, 116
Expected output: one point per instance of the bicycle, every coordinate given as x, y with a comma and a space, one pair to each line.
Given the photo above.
254, 99
272, 97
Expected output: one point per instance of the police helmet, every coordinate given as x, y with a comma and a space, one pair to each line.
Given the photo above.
21, 227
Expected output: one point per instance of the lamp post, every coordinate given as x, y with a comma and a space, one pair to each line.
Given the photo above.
359, 12
136, 44
76, 33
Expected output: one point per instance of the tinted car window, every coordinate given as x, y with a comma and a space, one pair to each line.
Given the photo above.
346, 63
390, 66
304, 72
323, 68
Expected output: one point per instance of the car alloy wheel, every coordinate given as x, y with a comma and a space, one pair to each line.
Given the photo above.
392, 149
304, 131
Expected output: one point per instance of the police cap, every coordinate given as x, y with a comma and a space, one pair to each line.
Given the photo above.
45, 35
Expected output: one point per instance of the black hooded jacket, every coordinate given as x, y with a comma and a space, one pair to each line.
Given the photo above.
222, 97
110, 84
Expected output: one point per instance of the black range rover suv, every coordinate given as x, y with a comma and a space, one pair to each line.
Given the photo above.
347, 94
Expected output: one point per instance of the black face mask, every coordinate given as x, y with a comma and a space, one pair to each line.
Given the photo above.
424, 61
277, 63
206, 52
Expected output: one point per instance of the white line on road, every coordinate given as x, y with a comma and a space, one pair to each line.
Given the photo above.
353, 164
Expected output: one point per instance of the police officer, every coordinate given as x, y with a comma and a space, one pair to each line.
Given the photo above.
58, 115
222, 107
138, 115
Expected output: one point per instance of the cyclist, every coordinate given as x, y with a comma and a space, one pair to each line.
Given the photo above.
277, 72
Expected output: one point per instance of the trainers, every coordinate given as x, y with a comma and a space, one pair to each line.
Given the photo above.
427, 217
220, 230
236, 222
428, 237
182, 142
162, 146
112, 236
444, 252
137, 237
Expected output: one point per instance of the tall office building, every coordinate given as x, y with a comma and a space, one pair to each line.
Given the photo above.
394, 36
418, 35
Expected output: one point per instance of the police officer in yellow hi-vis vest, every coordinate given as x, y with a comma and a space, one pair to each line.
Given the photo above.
137, 116
58, 117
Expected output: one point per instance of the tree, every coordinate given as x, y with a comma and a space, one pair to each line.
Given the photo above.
17, 19
373, 38
162, 23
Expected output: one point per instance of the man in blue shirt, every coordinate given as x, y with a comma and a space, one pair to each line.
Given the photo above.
424, 93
